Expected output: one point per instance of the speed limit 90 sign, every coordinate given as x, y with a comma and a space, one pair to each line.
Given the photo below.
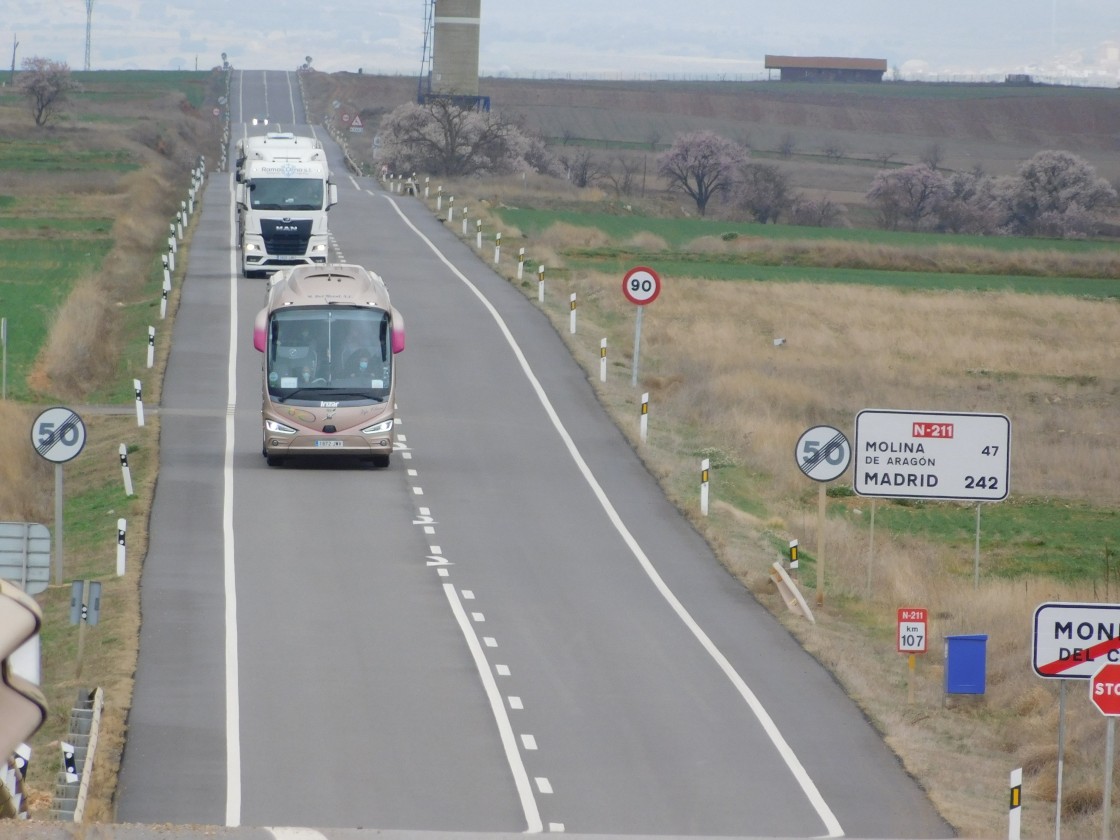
641, 285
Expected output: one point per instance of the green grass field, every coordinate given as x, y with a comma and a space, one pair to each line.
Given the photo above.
679, 232
679, 261
36, 275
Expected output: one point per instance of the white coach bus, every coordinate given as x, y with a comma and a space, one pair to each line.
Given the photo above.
329, 336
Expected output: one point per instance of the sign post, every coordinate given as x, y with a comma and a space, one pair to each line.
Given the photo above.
822, 453
913, 633
640, 286
1070, 643
58, 434
934, 455
1104, 692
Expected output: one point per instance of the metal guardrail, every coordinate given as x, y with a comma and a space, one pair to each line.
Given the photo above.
70, 793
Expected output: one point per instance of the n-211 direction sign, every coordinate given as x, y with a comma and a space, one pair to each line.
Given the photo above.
932, 455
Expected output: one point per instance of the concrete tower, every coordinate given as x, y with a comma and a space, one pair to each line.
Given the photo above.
455, 48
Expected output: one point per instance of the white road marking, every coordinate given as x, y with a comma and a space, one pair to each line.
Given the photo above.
295, 834
502, 670
478, 617
528, 741
515, 702
490, 641
505, 728
543, 785
229, 573
808, 787
556, 828
468, 595
417, 491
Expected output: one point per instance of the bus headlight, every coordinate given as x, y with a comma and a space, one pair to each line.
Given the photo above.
381, 428
278, 428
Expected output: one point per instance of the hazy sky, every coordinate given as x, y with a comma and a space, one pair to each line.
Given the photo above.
615, 38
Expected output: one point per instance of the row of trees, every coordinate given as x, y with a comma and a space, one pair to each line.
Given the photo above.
1055, 193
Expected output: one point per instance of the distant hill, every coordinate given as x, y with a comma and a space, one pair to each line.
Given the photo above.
994, 126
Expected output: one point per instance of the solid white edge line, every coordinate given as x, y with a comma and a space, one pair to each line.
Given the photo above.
809, 788
294, 833
233, 702
505, 727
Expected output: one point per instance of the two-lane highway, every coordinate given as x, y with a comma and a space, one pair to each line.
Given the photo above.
508, 629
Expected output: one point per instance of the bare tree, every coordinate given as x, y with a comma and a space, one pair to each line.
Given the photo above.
622, 174
701, 164
653, 137
817, 212
833, 149
911, 194
787, 144
45, 84
582, 168
884, 157
933, 155
763, 191
446, 138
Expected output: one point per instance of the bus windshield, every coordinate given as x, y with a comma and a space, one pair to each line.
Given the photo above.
329, 353
286, 194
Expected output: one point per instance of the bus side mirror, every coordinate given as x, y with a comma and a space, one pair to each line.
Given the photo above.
397, 338
260, 330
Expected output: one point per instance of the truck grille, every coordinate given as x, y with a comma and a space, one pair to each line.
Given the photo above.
287, 238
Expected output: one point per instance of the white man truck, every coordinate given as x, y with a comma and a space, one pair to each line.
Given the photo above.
283, 194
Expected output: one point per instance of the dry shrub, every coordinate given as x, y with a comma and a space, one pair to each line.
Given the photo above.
646, 241
25, 478
562, 236
83, 349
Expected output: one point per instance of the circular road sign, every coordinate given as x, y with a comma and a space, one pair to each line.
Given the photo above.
641, 285
1104, 689
58, 434
823, 453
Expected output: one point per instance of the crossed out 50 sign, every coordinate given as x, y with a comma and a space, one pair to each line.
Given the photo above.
58, 434
912, 625
823, 453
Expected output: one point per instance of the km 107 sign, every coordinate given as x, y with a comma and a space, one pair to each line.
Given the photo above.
932, 455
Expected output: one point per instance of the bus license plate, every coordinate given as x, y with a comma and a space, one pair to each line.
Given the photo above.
329, 443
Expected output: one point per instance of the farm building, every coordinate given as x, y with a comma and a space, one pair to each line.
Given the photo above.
817, 69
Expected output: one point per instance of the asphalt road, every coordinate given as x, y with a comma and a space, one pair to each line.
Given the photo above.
507, 630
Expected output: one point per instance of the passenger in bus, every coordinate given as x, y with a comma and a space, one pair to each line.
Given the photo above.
359, 365
361, 337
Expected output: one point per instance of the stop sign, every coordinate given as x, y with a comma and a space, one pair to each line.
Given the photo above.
1104, 689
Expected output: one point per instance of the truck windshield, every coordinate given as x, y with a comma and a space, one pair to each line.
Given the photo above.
336, 353
286, 194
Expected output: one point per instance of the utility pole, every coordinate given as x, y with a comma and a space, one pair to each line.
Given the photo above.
15, 43
89, 29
